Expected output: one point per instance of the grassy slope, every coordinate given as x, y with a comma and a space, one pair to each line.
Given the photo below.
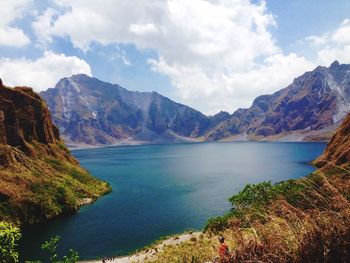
304, 220
36, 189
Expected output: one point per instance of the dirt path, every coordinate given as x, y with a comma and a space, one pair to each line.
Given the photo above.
151, 252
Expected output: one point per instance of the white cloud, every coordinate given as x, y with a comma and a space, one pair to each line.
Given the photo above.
333, 45
43, 72
342, 34
42, 25
11, 36
214, 51
231, 33
220, 91
316, 40
218, 54
143, 29
10, 11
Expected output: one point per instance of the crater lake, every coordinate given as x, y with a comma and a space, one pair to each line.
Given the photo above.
161, 190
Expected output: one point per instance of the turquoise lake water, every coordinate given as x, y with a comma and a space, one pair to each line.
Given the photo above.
164, 189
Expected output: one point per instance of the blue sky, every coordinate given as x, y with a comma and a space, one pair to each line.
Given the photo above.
212, 55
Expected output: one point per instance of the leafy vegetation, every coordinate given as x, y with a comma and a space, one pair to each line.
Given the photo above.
253, 199
259, 195
51, 247
9, 235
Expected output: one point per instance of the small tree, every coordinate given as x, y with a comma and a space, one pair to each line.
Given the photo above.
51, 247
9, 236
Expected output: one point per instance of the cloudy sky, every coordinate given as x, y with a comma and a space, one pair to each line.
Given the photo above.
209, 54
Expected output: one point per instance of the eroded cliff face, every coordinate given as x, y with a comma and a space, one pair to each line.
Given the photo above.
25, 123
39, 178
337, 152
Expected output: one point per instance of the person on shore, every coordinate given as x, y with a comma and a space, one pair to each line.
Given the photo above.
224, 253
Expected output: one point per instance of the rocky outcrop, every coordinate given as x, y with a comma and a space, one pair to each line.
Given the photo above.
316, 101
338, 150
39, 178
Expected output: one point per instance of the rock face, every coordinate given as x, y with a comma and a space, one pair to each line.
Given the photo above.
25, 119
316, 101
39, 179
90, 111
338, 150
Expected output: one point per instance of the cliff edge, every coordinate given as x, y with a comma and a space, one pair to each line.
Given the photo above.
338, 149
39, 178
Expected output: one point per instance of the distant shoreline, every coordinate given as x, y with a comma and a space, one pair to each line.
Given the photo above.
124, 143
74, 147
322, 135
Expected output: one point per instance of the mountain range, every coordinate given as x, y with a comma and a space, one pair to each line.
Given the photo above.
92, 112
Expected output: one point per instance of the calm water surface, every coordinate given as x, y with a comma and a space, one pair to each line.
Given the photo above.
164, 189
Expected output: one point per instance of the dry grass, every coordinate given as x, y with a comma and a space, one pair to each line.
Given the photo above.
316, 228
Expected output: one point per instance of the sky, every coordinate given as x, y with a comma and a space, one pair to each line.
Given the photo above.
211, 55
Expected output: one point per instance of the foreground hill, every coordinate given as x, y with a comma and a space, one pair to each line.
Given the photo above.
309, 109
39, 178
90, 111
303, 220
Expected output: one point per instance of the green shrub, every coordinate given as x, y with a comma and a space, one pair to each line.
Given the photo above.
217, 224
51, 247
9, 235
252, 195
259, 195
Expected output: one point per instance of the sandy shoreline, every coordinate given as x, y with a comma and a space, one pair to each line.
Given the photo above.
149, 253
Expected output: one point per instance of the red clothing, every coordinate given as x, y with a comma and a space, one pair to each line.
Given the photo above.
224, 253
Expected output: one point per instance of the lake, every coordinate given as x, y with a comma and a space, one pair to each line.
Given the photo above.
165, 189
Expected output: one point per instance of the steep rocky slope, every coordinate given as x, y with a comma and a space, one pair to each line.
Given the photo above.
338, 150
39, 179
308, 109
90, 111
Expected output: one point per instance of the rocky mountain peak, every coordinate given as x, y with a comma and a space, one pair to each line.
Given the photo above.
91, 111
335, 65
